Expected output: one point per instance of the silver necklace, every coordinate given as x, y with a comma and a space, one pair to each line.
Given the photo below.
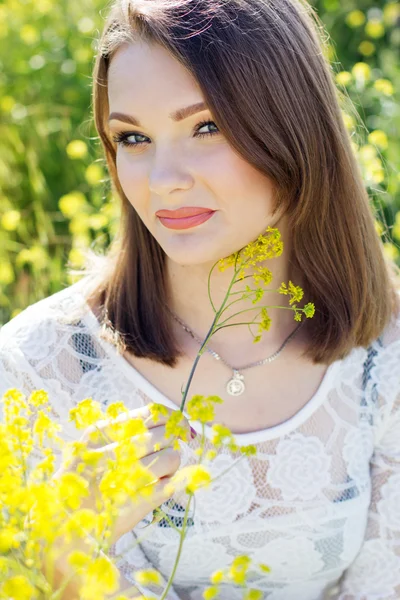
236, 386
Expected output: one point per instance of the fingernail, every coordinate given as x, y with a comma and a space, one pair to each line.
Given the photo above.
193, 433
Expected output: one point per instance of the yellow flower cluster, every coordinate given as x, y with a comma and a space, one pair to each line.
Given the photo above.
237, 573
265, 247
39, 508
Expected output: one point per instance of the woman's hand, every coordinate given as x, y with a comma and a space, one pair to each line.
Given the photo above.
155, 453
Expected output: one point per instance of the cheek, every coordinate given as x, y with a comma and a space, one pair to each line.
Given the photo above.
132, 176
235, 180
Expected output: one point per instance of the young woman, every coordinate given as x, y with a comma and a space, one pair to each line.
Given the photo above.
219, 118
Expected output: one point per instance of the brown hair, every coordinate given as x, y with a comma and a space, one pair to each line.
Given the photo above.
261, 66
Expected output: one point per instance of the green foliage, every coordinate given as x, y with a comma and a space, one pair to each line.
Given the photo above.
54, 194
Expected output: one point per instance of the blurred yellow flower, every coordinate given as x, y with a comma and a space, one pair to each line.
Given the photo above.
94, 174
18, 588
148, 577
194, 477
29, 34
367, 48
379, 138
379, 228
253, 594
362, 72
7, 103
375, 29
97, 221
355, 18
367, 152
72, 203
348, 121
86, 413
43, 6
36, 256
76, 258
391, 13
391, 251
384, 86
79, 226
344, 78
77, 149
6, 273
10, 220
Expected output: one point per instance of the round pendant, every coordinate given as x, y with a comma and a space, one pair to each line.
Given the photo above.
235, 386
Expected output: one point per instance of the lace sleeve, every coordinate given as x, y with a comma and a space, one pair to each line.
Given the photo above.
375, 572
17, 372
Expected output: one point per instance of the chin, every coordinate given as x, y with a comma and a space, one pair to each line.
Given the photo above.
192, 252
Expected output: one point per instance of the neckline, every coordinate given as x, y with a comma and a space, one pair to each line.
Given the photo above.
251, 437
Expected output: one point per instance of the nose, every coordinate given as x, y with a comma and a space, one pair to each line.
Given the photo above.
168, 173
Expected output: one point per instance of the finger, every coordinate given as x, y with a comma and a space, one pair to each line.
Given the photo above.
96, 435
164, 463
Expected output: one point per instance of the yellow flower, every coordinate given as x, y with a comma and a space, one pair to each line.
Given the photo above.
86, 413
72, 203
217, 577
157, 411
77, 149
367, 48
7, 275
355, 18
264, 568
18, 588
375, 28
8, 539
384, 86
253, 594
267, 245
379, 138
309, 310
10, 220
211, 592
72, 489
362, 72
294, 291
239, 568
194, 477
29, 34
176, 426
344, 78
200, 408
148, 577
94, 174
44, 426
391, 13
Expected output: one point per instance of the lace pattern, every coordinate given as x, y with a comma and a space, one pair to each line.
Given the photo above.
319, 503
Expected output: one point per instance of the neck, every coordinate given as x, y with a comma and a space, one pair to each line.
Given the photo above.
189, 300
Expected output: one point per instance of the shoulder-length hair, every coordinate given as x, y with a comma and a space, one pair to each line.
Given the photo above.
264, 73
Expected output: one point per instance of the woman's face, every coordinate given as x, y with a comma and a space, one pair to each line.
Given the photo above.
181, 160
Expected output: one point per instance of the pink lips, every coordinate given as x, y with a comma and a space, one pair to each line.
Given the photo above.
184, 218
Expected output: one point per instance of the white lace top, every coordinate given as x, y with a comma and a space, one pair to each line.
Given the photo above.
319, 503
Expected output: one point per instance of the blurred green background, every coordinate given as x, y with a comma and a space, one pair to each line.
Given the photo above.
55, 197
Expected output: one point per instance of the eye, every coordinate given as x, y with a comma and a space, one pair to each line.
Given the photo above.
204, 124
122, 137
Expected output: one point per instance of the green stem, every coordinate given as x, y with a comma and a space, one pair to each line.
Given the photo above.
182, 539
258, 307
209, 286
203, 346
234, 324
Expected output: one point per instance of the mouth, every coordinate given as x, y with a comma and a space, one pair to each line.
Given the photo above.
184, 218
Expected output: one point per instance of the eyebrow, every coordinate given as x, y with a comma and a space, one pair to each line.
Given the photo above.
178, 115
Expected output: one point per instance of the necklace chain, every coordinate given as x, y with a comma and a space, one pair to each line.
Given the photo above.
269, 359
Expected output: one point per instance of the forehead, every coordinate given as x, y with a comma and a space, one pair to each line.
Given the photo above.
147, 68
